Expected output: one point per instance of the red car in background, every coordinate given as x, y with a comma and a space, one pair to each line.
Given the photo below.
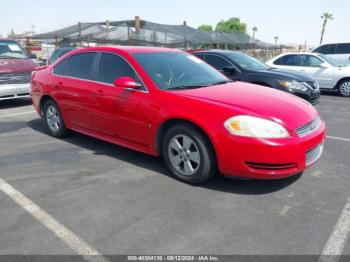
170, 103
15, 70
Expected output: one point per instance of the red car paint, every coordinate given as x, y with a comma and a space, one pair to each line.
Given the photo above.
132, 119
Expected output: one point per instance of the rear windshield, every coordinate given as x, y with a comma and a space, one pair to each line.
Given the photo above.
11, 50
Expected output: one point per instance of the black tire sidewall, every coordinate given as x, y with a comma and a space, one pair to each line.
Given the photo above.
62, 131
207, 166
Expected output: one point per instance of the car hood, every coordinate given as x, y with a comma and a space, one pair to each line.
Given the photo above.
255, 100
16, 65
284, 74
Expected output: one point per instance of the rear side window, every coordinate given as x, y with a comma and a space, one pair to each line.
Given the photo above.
80, 66
343, 48
59, 68
288, 60
112, 66
217, 62
325, 49
309, 61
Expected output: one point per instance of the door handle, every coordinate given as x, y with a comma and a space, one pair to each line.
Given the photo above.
98, 92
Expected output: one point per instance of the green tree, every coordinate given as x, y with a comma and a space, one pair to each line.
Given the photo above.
206, 28
231, 25
325, 17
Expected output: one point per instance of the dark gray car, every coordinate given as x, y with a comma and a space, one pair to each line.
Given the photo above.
241, 67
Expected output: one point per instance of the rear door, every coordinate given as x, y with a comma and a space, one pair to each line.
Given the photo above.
120, 113
73, 85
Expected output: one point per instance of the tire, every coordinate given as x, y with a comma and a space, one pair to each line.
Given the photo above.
188, 154
344, 88
53, 120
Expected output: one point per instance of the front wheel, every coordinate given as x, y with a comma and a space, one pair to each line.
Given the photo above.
188, 154
53, 119
344, 88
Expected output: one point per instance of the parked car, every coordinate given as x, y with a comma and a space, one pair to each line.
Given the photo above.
241, 67
15, 70
329, 74
168, 102
58, 52
339, 52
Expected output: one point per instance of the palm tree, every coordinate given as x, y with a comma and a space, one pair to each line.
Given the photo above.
276, 39
325, 17
254, 29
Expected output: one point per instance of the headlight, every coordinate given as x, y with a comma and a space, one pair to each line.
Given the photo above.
294, 85
250, 126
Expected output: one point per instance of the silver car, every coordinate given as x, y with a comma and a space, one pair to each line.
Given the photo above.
329, 74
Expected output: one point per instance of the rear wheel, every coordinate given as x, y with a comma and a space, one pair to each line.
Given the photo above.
53, 119
344, 88
188, 154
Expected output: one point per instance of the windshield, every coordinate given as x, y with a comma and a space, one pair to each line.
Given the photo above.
9, 49
246, 62
329, 60
175, 70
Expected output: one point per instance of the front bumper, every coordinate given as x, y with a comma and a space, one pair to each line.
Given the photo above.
268, 158
11, 91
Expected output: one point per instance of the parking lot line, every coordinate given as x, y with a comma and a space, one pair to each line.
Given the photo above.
18, 114
339, 138
68, 237
335, 244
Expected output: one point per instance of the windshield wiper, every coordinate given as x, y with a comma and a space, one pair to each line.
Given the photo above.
186, 87
220, 82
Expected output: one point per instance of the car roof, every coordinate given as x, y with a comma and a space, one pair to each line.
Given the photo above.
217, 51
128, 49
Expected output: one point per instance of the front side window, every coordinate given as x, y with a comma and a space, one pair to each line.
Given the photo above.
178, 70
80, 66
217, 62
11, 50
309, 61
325, 49
112, 66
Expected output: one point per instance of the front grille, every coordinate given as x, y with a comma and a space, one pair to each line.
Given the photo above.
15, 78
313, 84
309, 127
314, 154
270, 167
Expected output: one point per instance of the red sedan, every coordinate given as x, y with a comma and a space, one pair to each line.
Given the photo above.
170, 103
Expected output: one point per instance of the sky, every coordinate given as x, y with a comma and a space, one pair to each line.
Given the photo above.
294, 22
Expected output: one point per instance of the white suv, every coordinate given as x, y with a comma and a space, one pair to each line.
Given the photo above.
329, 74
339, 52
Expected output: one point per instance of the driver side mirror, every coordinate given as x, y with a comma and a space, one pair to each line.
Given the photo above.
324, 65
126, 82
229, 70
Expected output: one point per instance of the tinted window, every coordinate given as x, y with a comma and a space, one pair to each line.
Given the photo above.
343, 49
59, 68
80, 66
308, 60
288, 60
112, 67
247, 62
199, 56
325, 49
217, 62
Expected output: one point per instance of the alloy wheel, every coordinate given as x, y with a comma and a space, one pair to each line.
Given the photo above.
53, 119
345, 89
184, 155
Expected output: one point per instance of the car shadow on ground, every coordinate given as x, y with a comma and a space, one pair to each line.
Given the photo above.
156, 164
11, 103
